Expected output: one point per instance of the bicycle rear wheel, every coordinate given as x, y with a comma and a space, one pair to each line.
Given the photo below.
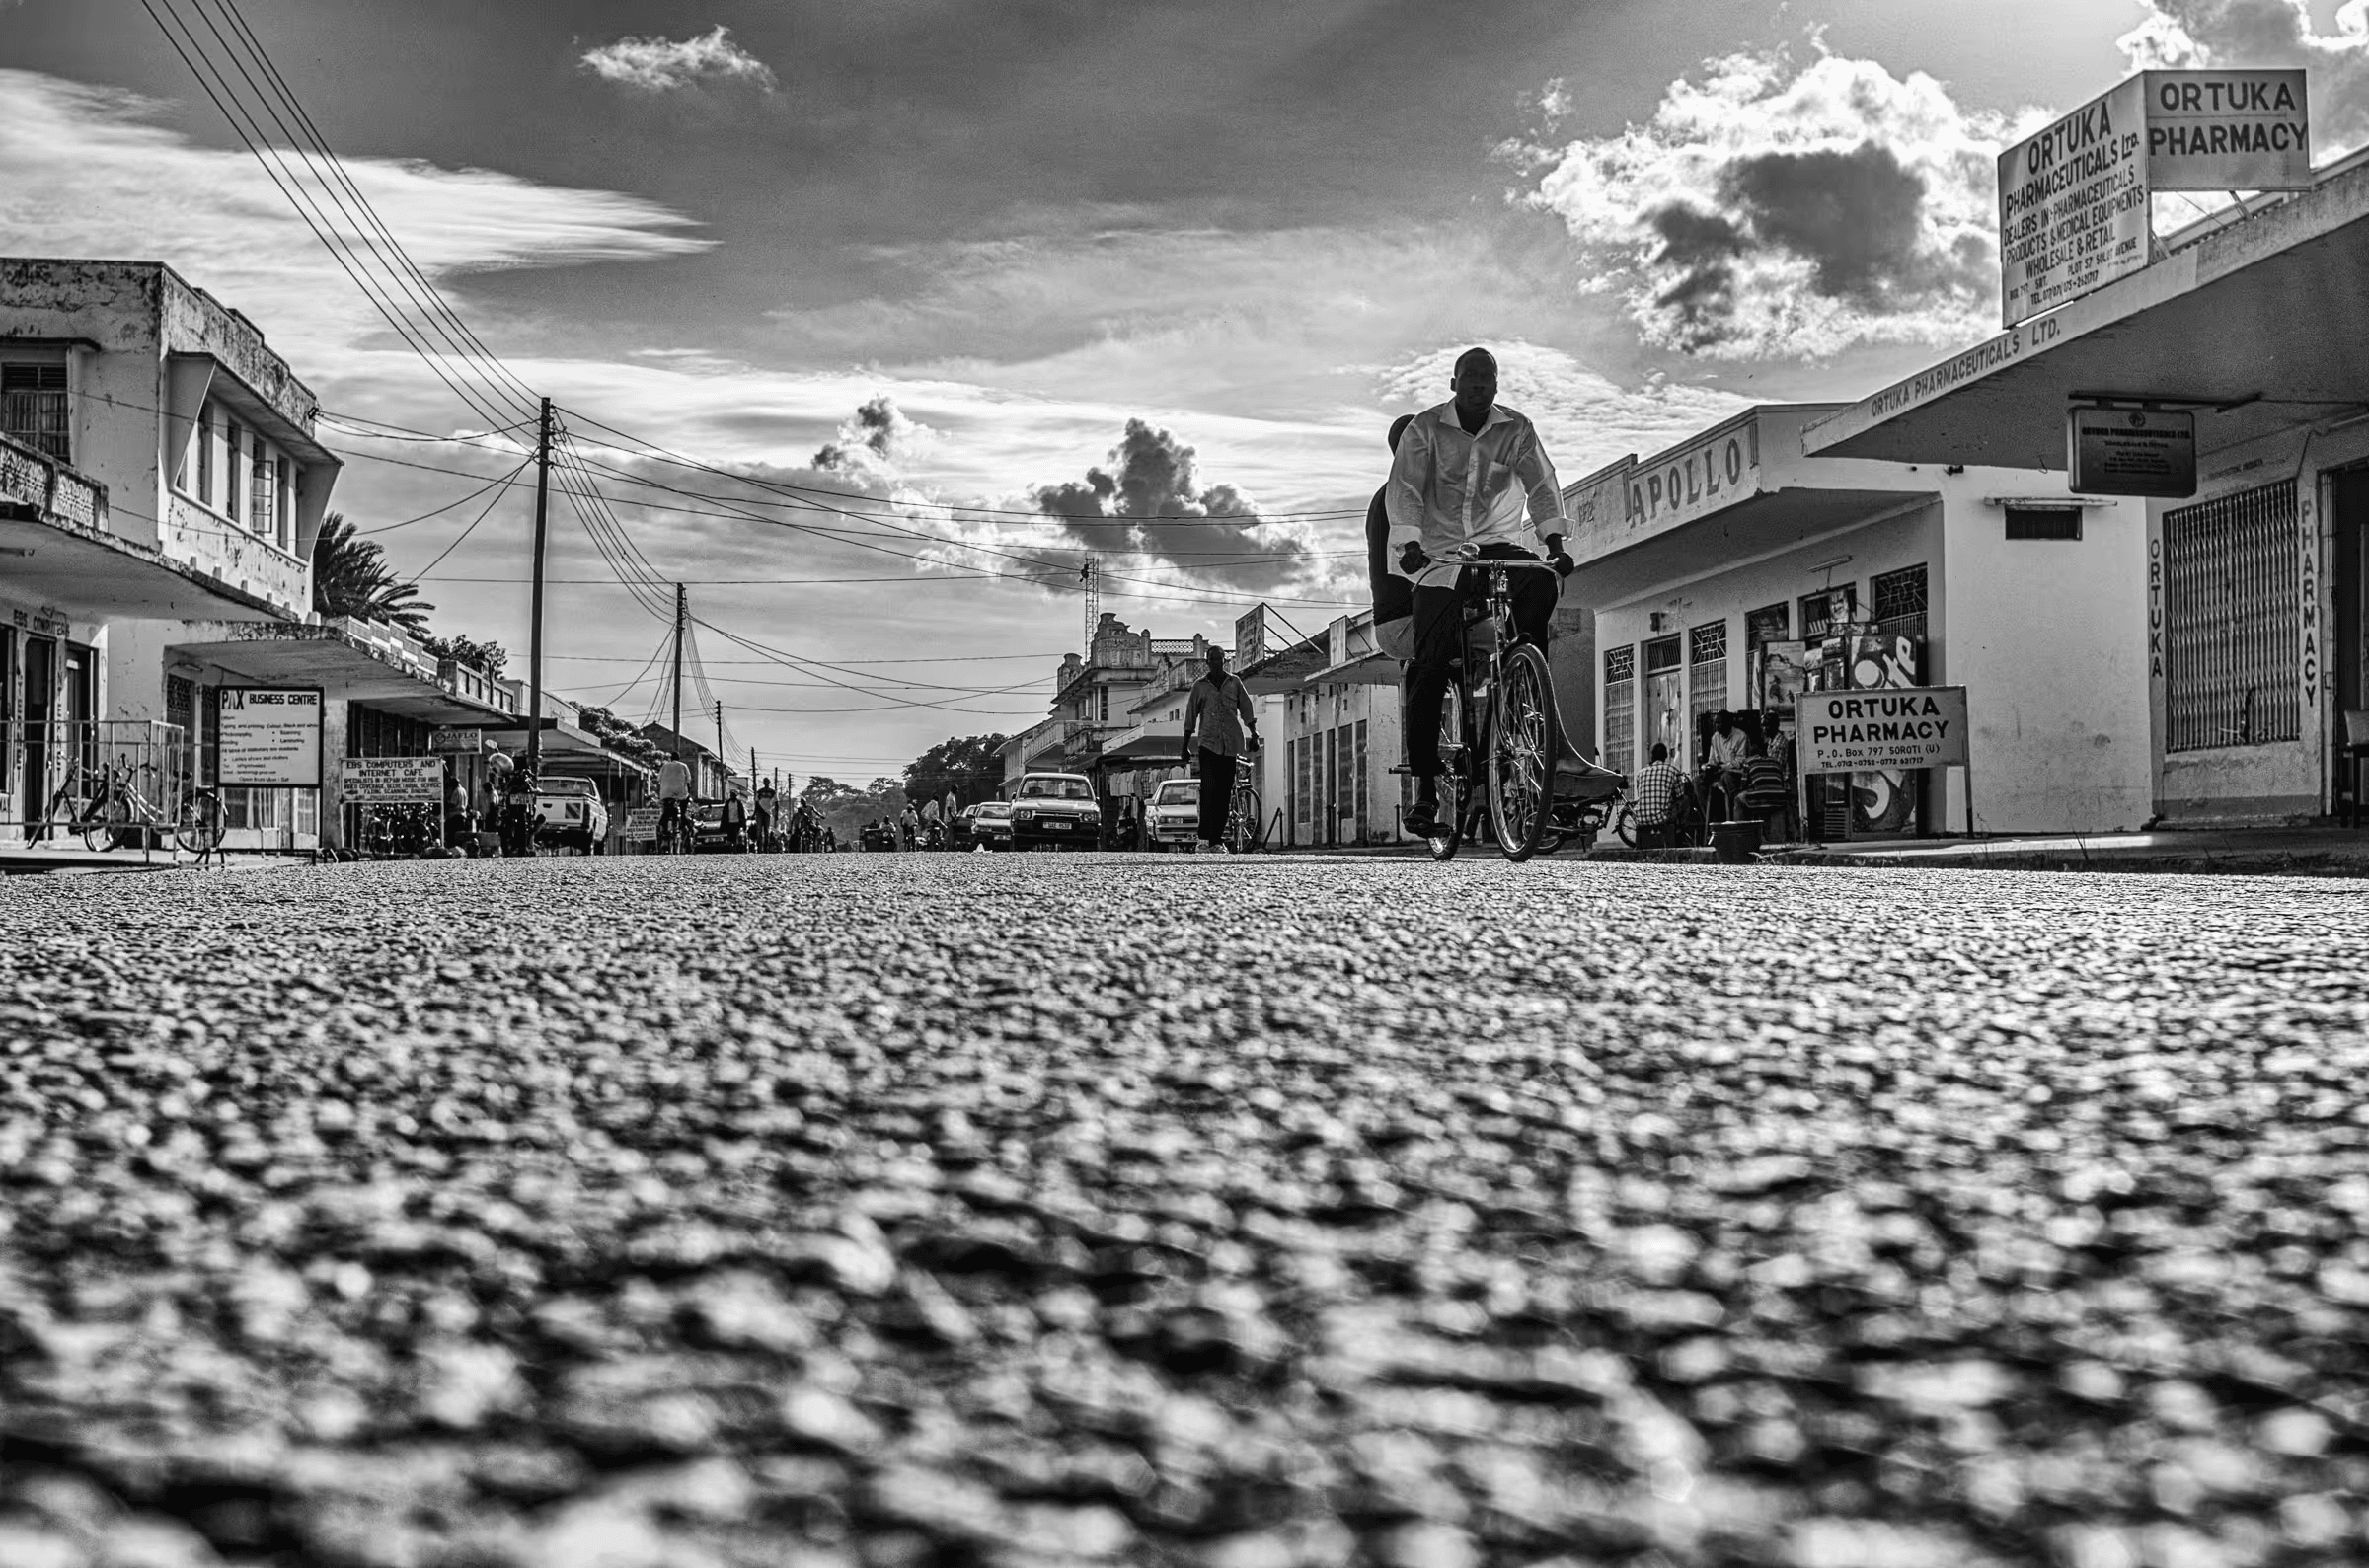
1522, 745
1455, 793
109, 823
1242, 820
197, 826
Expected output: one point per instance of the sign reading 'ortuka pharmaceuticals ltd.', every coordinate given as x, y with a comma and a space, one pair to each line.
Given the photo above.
2074, 198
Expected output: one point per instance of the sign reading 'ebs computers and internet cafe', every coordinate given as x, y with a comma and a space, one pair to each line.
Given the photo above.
2074, 198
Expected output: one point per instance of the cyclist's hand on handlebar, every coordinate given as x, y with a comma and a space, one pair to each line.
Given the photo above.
1411, 558
1563, 562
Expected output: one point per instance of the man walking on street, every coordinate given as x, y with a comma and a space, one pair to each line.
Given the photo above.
1470, 481
1220, 714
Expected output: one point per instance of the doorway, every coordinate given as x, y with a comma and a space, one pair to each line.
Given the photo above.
2348, 653
40, 712
1665, 699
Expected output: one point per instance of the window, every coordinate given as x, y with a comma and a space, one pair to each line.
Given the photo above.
2232, 621
1898, 594
1303, 794
234, 504
1619, 708
1820, 612
286, 508
33, 409
1768, 624
2044, 522
263, 481
1706, 675
206, 456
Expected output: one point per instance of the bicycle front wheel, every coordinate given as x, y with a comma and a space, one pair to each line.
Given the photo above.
1523, 741
198, 824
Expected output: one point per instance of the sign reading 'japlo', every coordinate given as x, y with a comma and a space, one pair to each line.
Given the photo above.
2074, 198
1873, 730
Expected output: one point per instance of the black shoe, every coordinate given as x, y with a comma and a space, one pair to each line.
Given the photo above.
1422, 818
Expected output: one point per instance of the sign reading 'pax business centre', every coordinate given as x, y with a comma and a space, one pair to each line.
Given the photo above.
2074, 198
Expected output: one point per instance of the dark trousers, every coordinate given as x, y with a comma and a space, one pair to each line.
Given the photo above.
1439, 643
1217, 794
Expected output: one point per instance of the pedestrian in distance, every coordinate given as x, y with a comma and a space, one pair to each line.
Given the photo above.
1470, 479
1220, 716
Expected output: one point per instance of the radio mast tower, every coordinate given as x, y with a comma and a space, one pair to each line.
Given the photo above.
1091, 574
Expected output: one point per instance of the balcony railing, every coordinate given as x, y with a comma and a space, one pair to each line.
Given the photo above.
32, 479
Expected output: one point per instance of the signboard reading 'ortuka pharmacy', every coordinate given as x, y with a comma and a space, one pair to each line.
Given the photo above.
2075, 198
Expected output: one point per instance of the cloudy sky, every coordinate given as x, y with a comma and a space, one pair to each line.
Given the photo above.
975, 285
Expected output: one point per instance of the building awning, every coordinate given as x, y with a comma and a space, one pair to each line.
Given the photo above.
89, 571
1154, 744
1761, 524
1287, 670
2258, 324
343, 666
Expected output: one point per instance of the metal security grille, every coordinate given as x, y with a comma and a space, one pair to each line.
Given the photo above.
1619, 708
1706, 677
32, 408
2232, 621
1898, 593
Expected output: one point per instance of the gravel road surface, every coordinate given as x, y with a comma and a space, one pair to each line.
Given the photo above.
885, 1211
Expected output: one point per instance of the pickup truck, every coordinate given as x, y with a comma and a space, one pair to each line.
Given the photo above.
570, 812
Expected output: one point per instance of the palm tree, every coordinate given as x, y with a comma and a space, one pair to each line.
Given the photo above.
351, 577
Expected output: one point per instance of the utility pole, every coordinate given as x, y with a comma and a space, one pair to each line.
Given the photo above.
724, 759
682, 617
534, 636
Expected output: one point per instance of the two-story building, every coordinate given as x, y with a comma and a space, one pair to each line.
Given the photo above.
176, 564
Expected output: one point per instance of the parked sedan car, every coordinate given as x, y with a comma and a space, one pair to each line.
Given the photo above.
712, 830
570, 812
986, 826
1174, 819
1055, 810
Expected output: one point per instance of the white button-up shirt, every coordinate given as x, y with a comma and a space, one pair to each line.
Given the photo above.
1449, 490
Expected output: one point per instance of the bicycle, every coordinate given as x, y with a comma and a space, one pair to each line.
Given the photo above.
119, 815
1500, 730
676, 835
1241, 834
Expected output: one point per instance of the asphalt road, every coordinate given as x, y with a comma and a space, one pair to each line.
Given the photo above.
901, 1211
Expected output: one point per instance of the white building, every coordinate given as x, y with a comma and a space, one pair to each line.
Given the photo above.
2250, 628
1718, 569
191, 575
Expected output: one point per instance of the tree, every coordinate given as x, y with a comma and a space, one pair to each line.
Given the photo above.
971, 767
488, 657
351, 579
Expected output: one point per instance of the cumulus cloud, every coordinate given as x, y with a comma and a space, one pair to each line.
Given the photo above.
877, 438
1148, 501
660, 65
2266, 35
1770, 210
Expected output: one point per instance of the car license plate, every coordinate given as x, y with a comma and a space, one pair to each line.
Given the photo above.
1059, 826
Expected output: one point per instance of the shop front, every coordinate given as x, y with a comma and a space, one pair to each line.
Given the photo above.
2250, 628
1729, 574
73, 593
379, 697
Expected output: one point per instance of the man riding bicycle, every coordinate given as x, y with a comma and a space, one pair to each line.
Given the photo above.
1470, 479
674, 796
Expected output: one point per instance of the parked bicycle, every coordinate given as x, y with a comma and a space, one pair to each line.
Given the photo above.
1500, 730
118, 814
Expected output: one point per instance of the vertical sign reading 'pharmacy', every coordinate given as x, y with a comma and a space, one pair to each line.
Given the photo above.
2074, 200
